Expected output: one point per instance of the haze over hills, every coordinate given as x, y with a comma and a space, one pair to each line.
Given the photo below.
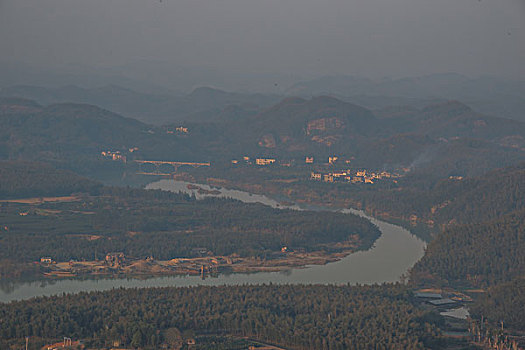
249, 175
442, 140
487, 95
444, 149
437, 141
490, 96
74, 135
199, 105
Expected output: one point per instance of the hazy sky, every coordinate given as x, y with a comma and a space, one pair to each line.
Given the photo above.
373, 38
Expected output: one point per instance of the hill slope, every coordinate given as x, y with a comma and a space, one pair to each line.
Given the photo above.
202, 104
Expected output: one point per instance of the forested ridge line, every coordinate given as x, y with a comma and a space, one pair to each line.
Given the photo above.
483, 254
504, 302
295, 316
20, 179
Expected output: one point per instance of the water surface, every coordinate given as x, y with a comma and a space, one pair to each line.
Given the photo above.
394, 252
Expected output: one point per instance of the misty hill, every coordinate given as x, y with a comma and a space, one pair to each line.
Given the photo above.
453, 200
202, 104
296, 124
455, 119
458, 140
435, 142
445, 139
36, 179
498, 97
77, 133
292, 128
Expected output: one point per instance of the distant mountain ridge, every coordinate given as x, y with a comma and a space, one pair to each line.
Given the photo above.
329, 124
437, 141
492, 96
71, 133
201, 104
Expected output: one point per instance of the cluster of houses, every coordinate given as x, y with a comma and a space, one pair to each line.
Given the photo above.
258, 161
358, 176
353, 176
114, 155
332, 160
178, 130
118, 155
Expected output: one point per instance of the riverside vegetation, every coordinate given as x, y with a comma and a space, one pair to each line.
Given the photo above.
142, 223
299, 317
465, 185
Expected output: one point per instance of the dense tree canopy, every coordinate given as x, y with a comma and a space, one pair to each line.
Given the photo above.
482, 254
504, 302
30, 179
299, 317
166, 225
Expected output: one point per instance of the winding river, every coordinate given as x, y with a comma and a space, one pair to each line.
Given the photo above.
392, 255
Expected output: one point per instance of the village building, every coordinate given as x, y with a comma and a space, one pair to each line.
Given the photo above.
338, 174
357, 179
264, 161
114, 259
114, 155
46, 260
328, 178
315, 176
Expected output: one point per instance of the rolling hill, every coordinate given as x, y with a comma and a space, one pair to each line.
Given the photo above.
491, 96
435, 142
202, 104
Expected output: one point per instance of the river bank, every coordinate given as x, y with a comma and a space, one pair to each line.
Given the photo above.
202, 266
309, 199
393, 253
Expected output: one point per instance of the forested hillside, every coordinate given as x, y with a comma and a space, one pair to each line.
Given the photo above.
72, 134
504, 302
298, 317
435, 142
484, 228
451, 160
166, 225
470, 200
30, 179
482, 245
483, 254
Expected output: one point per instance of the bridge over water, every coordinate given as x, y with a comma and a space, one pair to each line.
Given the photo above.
159, 163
